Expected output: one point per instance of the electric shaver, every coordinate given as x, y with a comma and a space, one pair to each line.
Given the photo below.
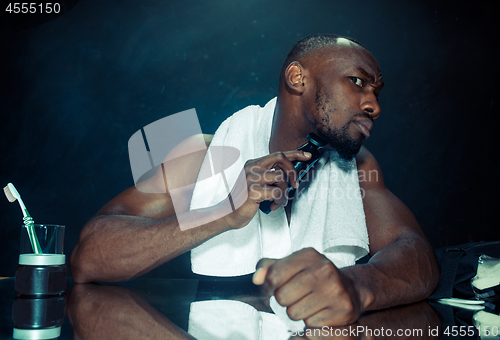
315, 147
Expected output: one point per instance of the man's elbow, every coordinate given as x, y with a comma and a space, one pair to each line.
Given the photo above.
86, 267
79, 268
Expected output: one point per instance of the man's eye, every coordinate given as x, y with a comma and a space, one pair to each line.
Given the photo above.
357, 81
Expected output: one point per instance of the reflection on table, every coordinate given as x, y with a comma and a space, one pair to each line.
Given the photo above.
211, 309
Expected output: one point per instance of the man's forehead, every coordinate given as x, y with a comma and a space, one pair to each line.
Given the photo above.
347, 54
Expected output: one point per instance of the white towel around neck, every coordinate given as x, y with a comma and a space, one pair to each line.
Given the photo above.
328, 215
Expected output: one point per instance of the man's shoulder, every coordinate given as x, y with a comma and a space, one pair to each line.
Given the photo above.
369, 171
180, 166
365, 160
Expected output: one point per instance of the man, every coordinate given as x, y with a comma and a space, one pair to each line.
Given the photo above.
328, 85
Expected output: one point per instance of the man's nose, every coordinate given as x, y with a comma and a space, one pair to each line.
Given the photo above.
370, 105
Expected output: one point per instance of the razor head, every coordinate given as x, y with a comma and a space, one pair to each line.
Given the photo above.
316, 140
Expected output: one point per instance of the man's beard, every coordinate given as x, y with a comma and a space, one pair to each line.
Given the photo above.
338, 138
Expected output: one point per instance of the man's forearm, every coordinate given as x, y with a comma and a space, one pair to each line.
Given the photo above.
119, 247
404, 272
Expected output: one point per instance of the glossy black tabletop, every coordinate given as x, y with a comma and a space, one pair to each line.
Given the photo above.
205, 309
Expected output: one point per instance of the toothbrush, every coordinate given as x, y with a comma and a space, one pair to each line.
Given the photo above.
12, 195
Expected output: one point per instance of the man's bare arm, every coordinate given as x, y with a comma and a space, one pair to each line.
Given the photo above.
137, 231
403, 268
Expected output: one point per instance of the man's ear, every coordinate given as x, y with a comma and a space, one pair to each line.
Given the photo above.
294, 77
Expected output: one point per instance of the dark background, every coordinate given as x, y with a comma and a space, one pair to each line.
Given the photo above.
75, 88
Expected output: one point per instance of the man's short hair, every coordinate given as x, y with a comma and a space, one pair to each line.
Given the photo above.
308, 45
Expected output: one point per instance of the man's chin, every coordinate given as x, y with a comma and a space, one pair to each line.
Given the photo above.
352, 150
348, 151
347, 147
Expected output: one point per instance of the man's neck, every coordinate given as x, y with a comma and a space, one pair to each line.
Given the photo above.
286, 131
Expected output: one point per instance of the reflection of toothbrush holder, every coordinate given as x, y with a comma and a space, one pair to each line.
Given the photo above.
42, 274
38, 318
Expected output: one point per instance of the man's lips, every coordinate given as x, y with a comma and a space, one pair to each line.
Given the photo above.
365, 126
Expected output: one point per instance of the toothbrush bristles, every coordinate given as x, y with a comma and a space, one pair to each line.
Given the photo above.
8, 194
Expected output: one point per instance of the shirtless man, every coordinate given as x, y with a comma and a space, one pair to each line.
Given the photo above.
328, 85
